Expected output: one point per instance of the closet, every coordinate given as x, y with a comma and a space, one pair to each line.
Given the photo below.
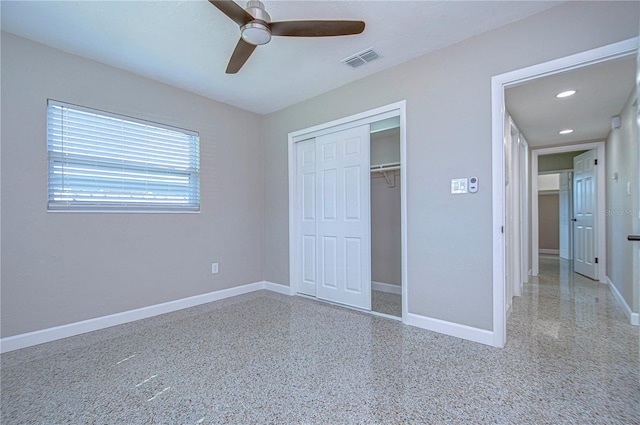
346, 211
386, 260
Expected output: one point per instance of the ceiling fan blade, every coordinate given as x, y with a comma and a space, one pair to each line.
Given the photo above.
316, 28
233, 11
239, 56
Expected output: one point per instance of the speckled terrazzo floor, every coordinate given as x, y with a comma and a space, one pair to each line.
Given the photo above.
265, 358
387, 303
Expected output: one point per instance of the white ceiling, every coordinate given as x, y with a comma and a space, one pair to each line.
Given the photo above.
603, 90
187, 44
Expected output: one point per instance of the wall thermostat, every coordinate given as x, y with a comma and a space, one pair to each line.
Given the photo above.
473, 185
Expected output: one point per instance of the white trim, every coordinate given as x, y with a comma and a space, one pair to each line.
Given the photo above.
452, 329
601, 223
535, 237
367, 117
383, 112
498, 85
279, 288
403, 210
549, 251
514, 255
389, 288
525, 215
498, 210
29, 339
634, 318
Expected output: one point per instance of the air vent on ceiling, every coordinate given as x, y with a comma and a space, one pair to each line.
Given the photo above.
361, 58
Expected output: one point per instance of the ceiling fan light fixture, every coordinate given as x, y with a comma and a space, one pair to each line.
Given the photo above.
256, 28
256, 33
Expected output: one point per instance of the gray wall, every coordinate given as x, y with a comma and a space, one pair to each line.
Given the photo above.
557, 161
62, 268
448, 136
622, 209
549, 221
59, 268
386, 261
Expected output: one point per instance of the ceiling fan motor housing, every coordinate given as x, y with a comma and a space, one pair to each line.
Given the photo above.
257, 32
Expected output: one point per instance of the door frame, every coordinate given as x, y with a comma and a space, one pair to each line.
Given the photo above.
499, 83
515, 205
601, 224
392, 110
525, 215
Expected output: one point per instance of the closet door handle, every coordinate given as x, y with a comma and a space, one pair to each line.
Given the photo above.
633, 237
574, 219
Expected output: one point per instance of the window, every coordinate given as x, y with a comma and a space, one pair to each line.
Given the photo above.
100, 161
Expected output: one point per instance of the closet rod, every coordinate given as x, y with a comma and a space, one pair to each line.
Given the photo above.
385, 167
383, 170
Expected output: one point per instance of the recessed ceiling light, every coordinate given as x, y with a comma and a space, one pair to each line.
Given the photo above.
567, 131
566, 93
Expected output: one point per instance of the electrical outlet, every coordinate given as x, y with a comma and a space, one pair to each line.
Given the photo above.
214, 268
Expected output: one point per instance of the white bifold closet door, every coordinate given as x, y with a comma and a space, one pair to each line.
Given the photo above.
334, 244
305, 254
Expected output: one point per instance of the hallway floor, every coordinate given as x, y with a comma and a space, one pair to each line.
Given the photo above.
571, 358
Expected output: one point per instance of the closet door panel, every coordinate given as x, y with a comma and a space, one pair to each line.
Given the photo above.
344, 224
305, 252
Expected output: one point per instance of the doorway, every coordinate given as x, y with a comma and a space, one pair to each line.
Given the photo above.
499, 84
341, 280
598, 150
386, 223
555, 206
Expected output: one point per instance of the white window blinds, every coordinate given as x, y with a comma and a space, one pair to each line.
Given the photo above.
101, 161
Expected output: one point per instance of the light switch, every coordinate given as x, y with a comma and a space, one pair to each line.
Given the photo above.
459, 186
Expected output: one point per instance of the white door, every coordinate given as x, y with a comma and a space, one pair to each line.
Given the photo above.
524, 211
508, 218
584, 210
515, 212
306, 217
637, 222
343, 217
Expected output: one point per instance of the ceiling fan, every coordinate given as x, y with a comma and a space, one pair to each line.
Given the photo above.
256, 29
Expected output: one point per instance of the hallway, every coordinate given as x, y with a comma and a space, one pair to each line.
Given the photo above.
571, 358
579, 343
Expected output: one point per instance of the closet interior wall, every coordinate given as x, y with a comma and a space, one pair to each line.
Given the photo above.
386, 260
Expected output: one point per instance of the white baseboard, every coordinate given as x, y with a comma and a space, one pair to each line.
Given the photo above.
279, 288
452, 329
386, 287
634, 318
16, 342
29, 339
549, 251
